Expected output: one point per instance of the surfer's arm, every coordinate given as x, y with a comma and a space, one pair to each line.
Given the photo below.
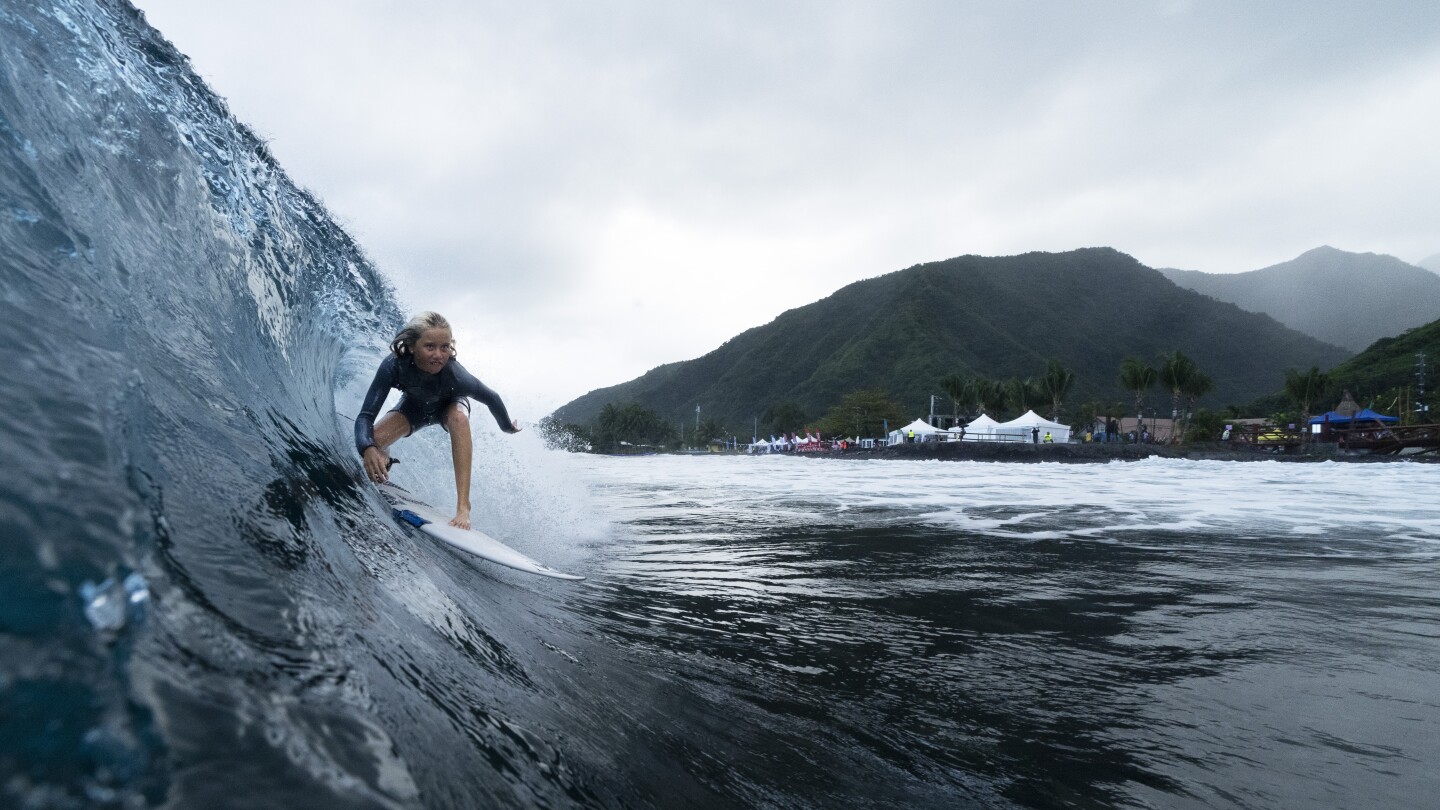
374, 401
478, 391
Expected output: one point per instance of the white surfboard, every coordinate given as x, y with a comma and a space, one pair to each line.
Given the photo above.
424, 517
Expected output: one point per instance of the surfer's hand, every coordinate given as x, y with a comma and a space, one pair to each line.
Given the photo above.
461, 519
515, 423
375, 465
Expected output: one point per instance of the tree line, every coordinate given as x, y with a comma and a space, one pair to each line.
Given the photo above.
869, 413
628, 428
975, 394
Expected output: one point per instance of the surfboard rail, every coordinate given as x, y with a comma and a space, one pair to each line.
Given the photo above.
416, 513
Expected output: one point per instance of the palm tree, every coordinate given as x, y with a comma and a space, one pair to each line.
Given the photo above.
631, 423
608, 424
1056, 383
1023, 394
958, 388
1175, 374
988, 394
709, 430
1138, 378
1305, 388
1197, 386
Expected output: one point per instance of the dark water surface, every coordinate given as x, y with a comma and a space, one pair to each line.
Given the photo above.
204, 605
1167, 634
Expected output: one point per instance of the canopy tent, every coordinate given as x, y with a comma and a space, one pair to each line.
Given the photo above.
763, 445
919, 426
1342, 418
982, 427
1024, 425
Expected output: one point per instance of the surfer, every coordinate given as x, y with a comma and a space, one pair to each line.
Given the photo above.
434, 388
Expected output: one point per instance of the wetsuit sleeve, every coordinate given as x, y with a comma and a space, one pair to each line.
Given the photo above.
374, 401
466, 384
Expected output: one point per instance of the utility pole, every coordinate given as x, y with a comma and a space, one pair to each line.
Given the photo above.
931, 420
697, 416
1420, 406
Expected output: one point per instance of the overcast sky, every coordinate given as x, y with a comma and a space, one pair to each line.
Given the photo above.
590, 189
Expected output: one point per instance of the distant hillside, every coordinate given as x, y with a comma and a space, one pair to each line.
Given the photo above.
1390, 364
1001, 317
1348, 299
1431, 263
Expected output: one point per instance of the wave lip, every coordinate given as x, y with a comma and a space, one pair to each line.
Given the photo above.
176, 314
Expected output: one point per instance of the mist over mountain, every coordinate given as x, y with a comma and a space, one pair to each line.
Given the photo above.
1348, 299
1431, 263
994, 316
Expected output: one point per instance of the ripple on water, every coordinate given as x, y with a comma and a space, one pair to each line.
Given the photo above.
1156, 632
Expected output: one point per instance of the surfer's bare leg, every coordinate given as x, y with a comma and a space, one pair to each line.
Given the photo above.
457, 421
391, 428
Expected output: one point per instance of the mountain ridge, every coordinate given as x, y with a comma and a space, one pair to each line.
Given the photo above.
903, 331
1347, 299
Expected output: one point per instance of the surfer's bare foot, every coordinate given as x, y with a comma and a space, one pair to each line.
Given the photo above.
461, 519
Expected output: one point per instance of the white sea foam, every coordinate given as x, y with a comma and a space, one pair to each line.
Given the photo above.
1102, 502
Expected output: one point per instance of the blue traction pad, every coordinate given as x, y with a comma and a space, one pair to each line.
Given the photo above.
410, 517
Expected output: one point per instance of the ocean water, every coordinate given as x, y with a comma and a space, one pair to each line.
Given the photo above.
1146, 634
203, 604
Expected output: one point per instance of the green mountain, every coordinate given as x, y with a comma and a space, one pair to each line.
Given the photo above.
1374, 375
1348, 299
997, 316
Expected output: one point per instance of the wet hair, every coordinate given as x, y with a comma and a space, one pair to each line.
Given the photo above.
405, 339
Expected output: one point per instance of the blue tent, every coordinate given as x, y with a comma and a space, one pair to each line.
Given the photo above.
1366, 415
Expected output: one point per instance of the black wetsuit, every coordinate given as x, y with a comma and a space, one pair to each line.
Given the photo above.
425, 397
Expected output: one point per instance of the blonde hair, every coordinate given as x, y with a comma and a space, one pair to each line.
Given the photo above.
405, 339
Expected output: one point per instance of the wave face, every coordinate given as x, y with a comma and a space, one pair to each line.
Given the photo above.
183, 617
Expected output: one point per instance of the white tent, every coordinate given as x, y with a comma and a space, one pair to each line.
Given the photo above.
762, 445
1030, 421
982, 428
919, 426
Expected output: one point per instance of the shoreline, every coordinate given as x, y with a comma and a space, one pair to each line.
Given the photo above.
1103, 453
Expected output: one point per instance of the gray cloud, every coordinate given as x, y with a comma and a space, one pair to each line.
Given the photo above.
605, 187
